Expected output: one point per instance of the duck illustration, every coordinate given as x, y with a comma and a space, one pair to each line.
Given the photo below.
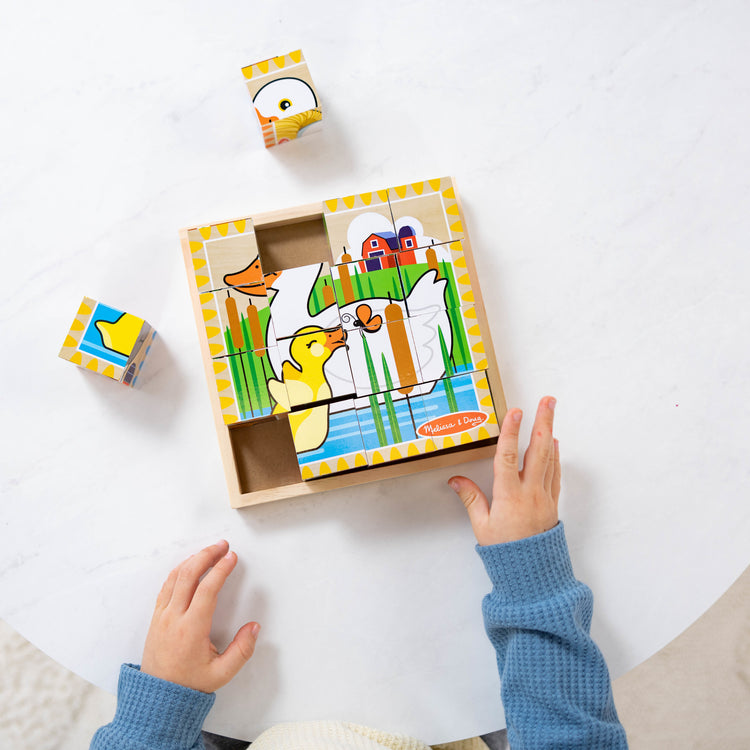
303, 381
287, 105
289, 311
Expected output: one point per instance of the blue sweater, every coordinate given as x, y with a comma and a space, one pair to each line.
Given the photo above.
555, 684
556, 689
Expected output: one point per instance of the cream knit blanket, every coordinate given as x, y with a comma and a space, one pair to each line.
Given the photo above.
343, 735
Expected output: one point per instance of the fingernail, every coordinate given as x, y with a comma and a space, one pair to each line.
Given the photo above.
517, 415
453, 484
552, 403
255, 629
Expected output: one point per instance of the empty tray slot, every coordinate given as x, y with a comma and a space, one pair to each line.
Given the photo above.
264, 454
293, 245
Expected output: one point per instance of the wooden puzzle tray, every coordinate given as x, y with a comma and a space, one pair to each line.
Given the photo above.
344, 341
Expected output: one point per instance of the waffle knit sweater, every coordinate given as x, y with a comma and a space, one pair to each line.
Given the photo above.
556, 689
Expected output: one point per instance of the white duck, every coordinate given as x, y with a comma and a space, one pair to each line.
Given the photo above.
289, 311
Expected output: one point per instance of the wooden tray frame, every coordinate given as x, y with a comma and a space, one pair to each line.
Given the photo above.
249, 458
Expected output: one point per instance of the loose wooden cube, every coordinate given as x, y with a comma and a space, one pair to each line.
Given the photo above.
284, 97
108, 341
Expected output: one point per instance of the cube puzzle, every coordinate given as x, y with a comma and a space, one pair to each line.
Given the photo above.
108, 341
369, 358
284, 97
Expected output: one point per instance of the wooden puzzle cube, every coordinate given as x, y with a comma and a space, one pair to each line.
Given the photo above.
236, 320
389, 422
450, 342
245, 384
425, 213
366, 290
225, 255
424, 267
384, 359
301, 298
327, 439
360, 227
284, 97
108, 341
304, 369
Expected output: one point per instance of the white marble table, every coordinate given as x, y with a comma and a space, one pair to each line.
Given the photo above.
601, 153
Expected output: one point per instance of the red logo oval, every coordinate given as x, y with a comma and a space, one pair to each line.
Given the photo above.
452, 424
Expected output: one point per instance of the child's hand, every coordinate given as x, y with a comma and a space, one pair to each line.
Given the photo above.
178, 645
523, 503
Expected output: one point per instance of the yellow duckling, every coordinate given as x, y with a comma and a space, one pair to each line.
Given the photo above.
304, 382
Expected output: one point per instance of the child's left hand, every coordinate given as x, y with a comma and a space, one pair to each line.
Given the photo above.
178, 645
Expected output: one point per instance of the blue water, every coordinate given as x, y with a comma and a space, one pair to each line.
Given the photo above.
255, 413
349, 429
343, 437
405, 409
436, 403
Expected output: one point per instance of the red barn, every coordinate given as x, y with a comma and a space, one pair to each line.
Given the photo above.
377, 247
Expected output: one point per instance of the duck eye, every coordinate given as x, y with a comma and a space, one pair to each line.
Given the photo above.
284, 104
310, 344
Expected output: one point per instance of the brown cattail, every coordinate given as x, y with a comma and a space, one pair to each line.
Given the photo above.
256, 332
329, 298
432, 261
396, 325
234, 323
347, 291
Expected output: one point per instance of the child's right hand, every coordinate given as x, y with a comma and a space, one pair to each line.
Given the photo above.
523, 503
178, 645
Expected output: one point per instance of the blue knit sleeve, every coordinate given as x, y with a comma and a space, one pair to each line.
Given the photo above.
556, 689
154, 714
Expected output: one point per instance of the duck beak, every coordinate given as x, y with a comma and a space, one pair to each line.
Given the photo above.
263, 118
335, 339
249, 280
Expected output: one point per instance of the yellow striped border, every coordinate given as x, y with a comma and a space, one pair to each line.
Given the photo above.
77, 328
407, 449
373, 199
225, 391
273, 65
335, 465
